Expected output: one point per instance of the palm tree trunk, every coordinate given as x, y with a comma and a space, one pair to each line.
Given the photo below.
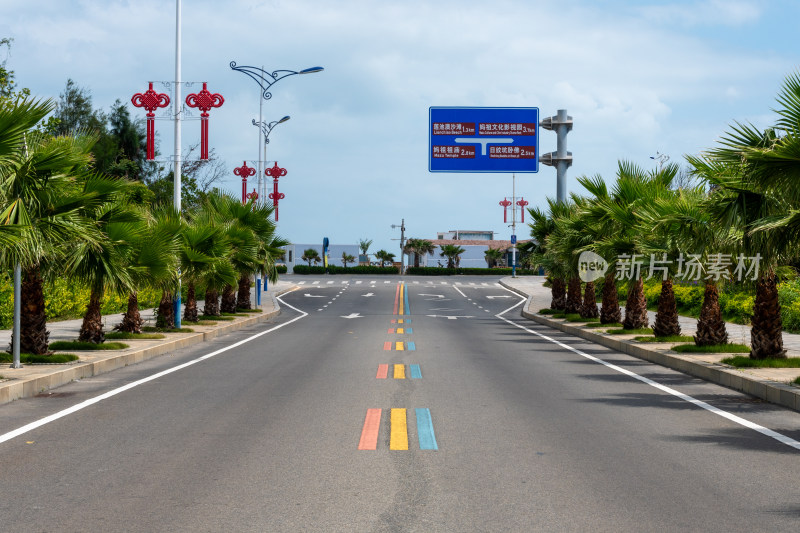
559, 293
635, 307
610, 312
666, 323
166, 312
131, 320
710, 326
589, 307
211, 307
33, 334
228, 300
243, 298
190, 313
573, 296
766, 334
92, 326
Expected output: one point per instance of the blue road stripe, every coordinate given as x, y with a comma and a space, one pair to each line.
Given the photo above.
411, 346
409, 330
406, 308
427, 439
416, 373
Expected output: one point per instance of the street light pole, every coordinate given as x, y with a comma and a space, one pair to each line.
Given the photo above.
402, 227
176, 194
264, 130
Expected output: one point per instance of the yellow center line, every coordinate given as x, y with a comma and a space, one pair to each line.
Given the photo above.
398, 439
402, 289
399, 371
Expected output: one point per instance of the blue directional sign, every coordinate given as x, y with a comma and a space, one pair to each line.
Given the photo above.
483, 139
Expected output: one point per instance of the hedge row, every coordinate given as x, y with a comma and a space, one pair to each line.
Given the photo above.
440, 271
65, 300
333, 269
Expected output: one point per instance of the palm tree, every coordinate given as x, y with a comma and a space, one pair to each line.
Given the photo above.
419, 247
492, 255
347, 258
363, 246
380, 255
542, 225
452, 253
310, 255
104, 265
42, 191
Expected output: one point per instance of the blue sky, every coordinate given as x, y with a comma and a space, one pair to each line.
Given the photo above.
637, 78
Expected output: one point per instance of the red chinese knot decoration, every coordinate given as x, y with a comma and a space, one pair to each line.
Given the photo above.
150, 101
252, 196
275, 172
522, 203
244, 171
505, 203
204, 101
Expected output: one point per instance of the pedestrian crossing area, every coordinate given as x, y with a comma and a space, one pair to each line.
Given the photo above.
386, 282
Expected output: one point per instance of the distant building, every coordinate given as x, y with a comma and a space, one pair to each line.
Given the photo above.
474, 243
294, 253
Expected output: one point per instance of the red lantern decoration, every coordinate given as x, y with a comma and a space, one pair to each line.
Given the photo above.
204, 101
150, 101
505, 203
275, 172
244, 171
522, 203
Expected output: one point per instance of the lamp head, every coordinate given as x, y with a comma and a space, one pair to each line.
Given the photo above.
284, 119
311, 70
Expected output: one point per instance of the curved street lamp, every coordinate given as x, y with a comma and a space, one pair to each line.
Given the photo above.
266, 129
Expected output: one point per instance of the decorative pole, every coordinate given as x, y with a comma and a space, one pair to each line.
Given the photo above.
275, 172
522, 203
505, 203
204, 101
244, 171
266, 129
150, 101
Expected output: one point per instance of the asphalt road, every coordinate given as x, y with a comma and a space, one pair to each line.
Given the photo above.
506, 430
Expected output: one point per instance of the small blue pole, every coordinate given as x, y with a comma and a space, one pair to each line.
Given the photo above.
258, 292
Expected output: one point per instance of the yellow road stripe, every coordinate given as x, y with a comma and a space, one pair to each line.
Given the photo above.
399, 346
401, 330
399, 371
399, 433
402, 288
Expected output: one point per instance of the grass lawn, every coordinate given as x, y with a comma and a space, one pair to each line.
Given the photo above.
216, 317
623, 331
577, 318
716, 348
669, 338
32, 359
249, 311
80, 345
153, 329
547, 311
796, 381
234, 314
598, 325
126, 335
741, 361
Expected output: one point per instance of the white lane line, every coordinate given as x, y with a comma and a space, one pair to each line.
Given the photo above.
685, 397
315, 282
91, 401
459, 292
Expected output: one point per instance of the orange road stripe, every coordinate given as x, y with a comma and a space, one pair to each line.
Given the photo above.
369, 434
387, 345
383, 371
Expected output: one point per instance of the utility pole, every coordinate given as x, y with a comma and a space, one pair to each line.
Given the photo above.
561, 158
402, 242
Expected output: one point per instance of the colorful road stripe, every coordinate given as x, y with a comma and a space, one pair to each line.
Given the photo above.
398, 435
427, 439
412, 346
387, 345
399, 346
383, 371
391, 331
416, 373
396, 299
401, 321
405, 299
369, 433
399, 371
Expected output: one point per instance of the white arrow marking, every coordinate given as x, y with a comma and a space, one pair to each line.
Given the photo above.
449, 317
313, 295
352, 315
493, 297
368, 295
444, 309
434, 295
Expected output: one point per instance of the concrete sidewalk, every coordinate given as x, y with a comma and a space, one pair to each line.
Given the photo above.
31, 380
770, 384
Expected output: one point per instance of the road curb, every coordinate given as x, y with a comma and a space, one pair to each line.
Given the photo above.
771, 391
15, 389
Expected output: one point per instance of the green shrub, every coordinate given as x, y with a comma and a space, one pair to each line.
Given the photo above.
440, 271
281, 269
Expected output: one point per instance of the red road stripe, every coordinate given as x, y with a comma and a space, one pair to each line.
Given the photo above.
396, 299
391, 330
383, 371
369, 434
387, 345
